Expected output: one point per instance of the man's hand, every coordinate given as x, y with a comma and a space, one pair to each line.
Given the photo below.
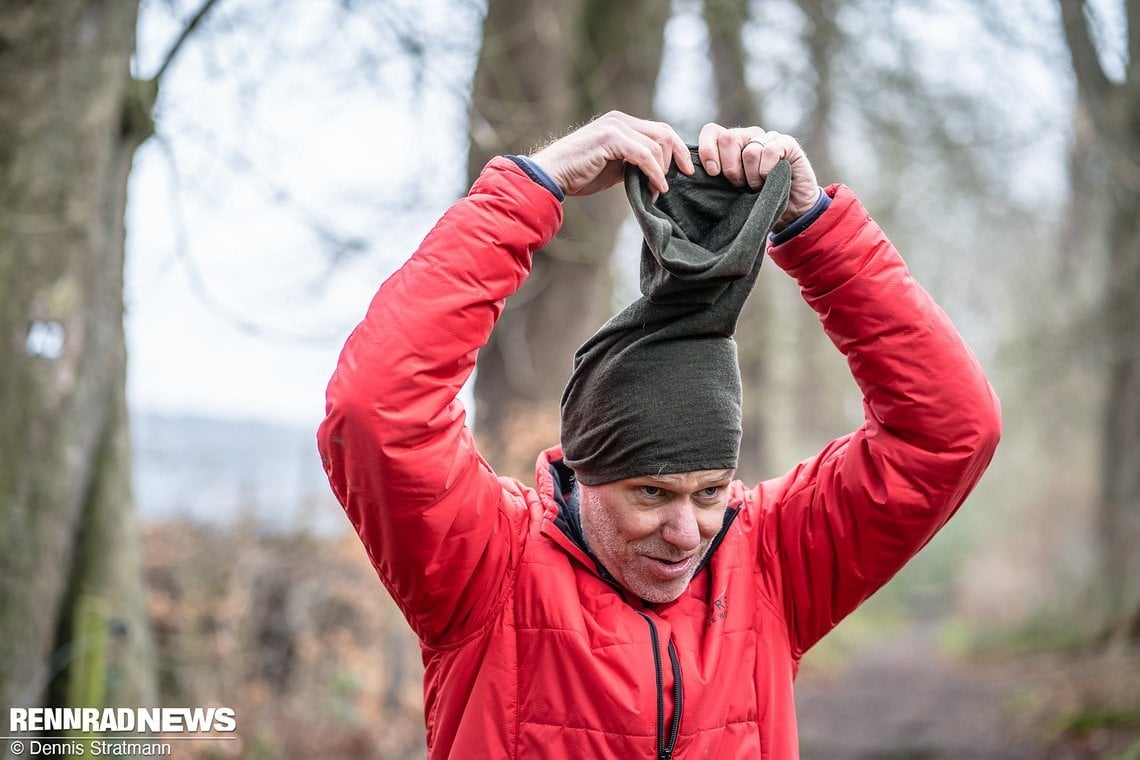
745, 155
590, 158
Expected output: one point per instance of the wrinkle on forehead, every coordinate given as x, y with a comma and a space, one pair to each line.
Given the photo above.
697, 479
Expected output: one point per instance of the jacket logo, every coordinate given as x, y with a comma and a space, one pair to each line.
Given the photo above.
719, 611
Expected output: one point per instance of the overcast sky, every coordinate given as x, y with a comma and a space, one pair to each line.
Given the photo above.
280, 138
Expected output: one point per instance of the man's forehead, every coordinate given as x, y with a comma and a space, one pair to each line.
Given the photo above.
696, 479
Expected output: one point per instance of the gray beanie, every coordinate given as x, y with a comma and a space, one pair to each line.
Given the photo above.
657, 389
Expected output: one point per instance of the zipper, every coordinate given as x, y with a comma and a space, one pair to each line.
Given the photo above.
678, 701
665, 746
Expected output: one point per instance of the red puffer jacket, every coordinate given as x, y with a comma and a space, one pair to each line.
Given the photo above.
528, 651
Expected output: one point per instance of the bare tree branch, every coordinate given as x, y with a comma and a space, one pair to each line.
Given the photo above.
238, 318
1092, 82
207, 6
1132, 18
725, 19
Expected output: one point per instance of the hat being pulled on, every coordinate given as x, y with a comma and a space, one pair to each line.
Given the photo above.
656, 390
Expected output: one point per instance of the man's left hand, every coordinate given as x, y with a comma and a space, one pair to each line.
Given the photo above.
745, 155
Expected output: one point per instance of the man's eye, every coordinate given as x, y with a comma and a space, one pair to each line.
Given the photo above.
711, 493
651, 491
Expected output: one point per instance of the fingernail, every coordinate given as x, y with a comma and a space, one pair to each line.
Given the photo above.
711, 167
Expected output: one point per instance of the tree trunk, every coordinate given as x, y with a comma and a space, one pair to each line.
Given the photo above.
822, 382
1120, 456
547, 66
1114, 110
737, 106
71, 119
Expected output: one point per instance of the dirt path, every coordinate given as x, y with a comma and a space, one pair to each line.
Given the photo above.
901, 698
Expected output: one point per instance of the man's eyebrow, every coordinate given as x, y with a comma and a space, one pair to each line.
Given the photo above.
719, 476
670, 479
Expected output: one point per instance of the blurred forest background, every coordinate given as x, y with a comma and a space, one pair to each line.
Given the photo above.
220, 185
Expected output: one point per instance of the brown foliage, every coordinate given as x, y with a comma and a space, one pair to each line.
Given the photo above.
295, 633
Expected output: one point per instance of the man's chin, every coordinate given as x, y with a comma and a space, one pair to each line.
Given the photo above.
659, 591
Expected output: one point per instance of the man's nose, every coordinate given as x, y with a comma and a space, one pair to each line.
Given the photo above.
682, 530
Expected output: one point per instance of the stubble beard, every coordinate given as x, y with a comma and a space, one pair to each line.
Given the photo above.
604, 540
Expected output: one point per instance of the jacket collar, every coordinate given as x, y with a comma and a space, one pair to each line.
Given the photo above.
569, 517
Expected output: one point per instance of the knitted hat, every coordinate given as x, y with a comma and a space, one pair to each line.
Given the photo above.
657, 389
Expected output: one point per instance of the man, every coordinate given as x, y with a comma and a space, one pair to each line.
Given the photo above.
639, 601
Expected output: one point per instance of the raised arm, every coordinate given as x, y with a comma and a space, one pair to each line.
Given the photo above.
442, 531
840, 525
394, 444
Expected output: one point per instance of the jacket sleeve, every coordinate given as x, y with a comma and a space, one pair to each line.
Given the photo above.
838, 526
439, 527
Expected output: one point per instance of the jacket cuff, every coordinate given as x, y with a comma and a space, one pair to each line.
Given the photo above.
539, 175
803, 221
822, 255
506, 180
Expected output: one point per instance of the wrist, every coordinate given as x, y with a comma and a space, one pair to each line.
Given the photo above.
536, 172
793, 223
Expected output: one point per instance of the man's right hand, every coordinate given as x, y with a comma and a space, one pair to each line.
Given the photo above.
590, 158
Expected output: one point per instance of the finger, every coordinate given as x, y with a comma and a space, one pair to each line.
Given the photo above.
752, 157
805, 188
673, 148
730, 147
649, 156
682, 156
707, 149
779, 147
756, 155
661, 139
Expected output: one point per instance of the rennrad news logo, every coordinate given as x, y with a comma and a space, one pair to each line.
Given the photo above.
123, 720
35, 732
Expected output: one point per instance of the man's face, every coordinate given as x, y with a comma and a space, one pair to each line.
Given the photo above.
652, 531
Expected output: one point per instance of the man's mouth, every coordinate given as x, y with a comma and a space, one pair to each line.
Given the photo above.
669, 569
